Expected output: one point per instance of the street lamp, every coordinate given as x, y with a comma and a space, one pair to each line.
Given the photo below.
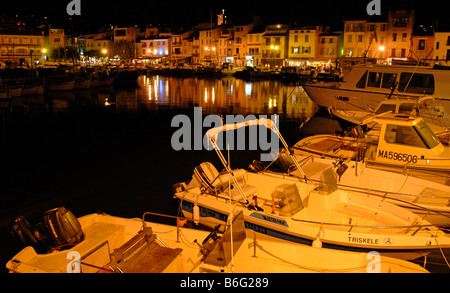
44, 51
31, 58
381, 50
104, 52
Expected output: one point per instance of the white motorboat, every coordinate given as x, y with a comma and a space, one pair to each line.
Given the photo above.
113, 244
305, 212
366, 85
227, 69
4, 94
426, 107
82, 82
106, 80
396, 143
428, 199
33, 89
15, 90
60, 84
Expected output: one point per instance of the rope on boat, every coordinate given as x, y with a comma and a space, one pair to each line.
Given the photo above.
442, 253
365, 226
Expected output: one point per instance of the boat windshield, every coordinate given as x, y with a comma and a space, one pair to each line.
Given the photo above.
427, 134
404, 135
386, 108
419, 135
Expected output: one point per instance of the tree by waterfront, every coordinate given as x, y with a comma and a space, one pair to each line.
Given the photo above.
123, 49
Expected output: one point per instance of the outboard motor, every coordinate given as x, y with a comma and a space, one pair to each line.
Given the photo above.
63, 227
58, 230
31, 235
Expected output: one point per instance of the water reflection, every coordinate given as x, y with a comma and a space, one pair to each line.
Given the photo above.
215, 95
223, 95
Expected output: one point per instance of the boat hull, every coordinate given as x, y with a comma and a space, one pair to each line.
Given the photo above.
400, 246
355, 100
62, 86
4, 94
15, 91
343, 99
105, 82
254, 255
83, 84
33, 90
436, 169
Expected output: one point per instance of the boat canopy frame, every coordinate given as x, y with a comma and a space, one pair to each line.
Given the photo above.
214, 132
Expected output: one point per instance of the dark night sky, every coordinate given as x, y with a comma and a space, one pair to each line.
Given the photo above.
190, 12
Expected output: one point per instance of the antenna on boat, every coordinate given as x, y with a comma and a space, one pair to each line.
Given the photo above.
275, 129
412, 74
231, 215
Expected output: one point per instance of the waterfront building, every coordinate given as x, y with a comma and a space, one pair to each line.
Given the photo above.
423, 47
303, 45
274, 45
187, 46
79, 43
21, 47
175, 53
401, 26
254, 53
196, 48
222, 18
129, 34
330, 46
225, 45
240, 46
442, 46
377, 43
354, 38
382, 39
99, 47
208, 39
56, 39
156, 48
151, 32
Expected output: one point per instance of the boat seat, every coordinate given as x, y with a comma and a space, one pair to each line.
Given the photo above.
213, 181
248, 190
208, 177
313, 169
327, 145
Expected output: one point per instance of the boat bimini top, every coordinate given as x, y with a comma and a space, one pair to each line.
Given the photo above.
214, 132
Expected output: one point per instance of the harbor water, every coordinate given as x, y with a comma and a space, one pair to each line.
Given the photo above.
109, 148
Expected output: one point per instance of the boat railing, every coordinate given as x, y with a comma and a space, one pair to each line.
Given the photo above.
352, 226
389, 196
181, 222
428, 211
303, 161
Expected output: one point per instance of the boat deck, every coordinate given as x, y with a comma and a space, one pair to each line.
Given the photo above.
159, 260
330, 146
